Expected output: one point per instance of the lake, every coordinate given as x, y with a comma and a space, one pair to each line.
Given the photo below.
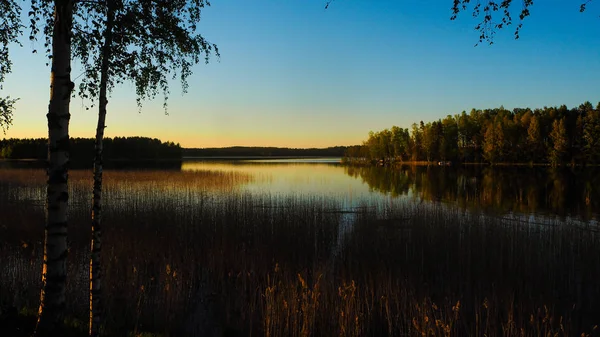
522, 191
284, 247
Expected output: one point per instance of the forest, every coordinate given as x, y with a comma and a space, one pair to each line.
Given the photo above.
550, 135
82, 149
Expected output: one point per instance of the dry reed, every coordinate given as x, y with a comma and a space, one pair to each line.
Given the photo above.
193, 252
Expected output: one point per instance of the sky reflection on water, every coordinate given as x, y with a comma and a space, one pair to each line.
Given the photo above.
546, 192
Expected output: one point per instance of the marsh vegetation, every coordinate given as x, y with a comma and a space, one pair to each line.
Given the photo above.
230, 249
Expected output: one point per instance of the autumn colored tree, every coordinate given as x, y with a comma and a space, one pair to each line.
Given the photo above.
498, 135
591, 136
560, 143
493, 143
534, 139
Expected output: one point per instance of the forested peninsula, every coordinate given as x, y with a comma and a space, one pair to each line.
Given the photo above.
82, 149
550, 135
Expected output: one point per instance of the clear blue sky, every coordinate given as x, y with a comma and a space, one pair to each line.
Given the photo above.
294, 74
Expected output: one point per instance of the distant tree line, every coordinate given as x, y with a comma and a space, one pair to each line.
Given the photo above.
243, 151
552, 135
82, 149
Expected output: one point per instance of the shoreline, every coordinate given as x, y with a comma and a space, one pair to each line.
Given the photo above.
451, 164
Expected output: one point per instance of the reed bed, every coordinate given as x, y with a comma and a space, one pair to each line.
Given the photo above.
191, 253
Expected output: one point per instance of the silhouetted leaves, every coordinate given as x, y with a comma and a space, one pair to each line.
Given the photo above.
10, 30
495, 15
82, 149
6, 109
153, 41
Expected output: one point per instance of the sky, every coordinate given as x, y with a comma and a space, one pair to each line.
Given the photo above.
294, 74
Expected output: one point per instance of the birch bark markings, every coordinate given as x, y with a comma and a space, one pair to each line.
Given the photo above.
54, 269
96, 242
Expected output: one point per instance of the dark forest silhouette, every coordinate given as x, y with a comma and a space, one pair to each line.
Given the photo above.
256, 151
143, 148
82, 149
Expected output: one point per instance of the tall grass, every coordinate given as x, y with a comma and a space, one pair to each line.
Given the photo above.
191, 253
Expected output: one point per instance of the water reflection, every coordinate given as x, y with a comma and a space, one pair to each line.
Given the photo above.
308, 177
523, 190
540, 191
564, 192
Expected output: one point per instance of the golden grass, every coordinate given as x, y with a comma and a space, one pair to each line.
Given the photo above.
161, 179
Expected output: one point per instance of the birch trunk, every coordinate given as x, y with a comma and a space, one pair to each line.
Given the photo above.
54, 270
96, 244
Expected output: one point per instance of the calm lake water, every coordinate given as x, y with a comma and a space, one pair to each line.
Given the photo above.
538, 192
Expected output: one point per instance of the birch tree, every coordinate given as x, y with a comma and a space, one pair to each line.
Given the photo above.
57, 31
147, 42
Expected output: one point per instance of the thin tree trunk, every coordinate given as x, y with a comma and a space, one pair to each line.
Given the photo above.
96, 244
54, 271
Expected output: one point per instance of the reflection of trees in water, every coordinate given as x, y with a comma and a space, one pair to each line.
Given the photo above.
383, 180
554, 191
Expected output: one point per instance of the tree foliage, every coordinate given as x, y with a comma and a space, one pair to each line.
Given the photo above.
143, 41
6, 111
554, 135
153, 42
560, 142
494, 15
10, 31
534, 138
493, 142
149, 42
591, 136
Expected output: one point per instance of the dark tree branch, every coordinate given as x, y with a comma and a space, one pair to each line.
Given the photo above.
494, 14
